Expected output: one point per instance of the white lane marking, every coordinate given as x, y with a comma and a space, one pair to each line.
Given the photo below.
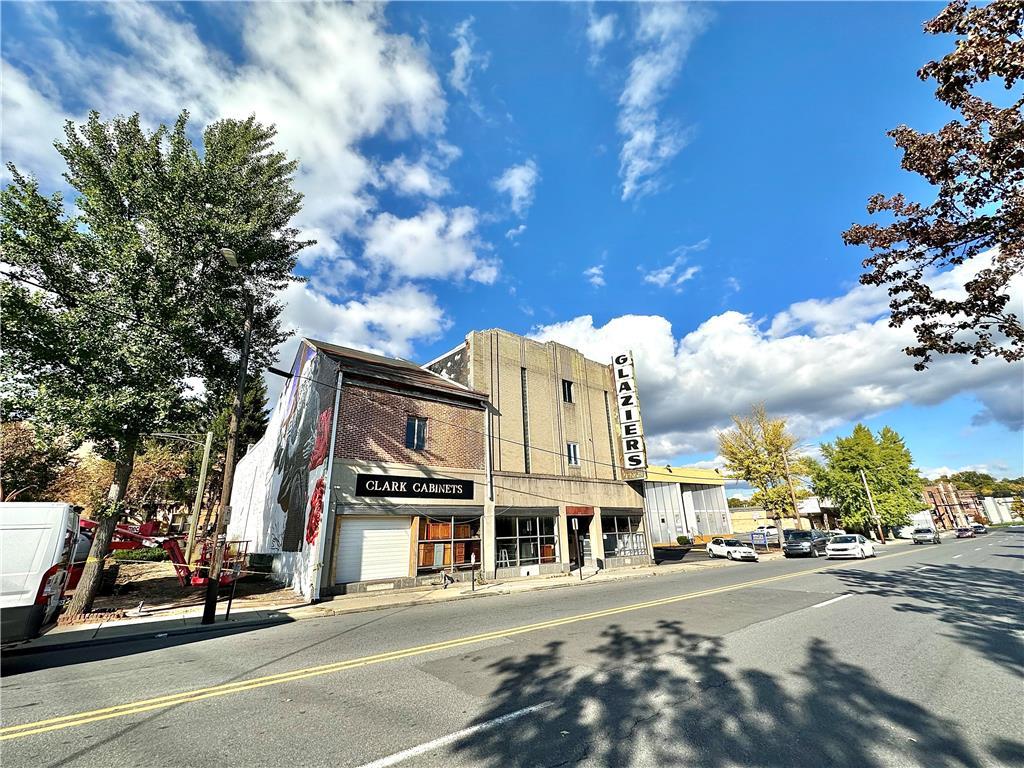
452, 737
977, 548
956, 556
833, 600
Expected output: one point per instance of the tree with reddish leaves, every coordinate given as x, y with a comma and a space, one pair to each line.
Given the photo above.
976, 164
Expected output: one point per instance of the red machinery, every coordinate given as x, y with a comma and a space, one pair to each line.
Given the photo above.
139, 536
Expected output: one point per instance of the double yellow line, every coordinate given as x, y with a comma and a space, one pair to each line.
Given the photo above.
187, 697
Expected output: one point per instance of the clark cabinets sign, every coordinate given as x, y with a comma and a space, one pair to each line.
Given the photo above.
407, 487
632, 429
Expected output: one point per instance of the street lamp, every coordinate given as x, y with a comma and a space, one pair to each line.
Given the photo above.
224, 508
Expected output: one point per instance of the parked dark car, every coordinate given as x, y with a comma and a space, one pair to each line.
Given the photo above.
979, 528
809, 543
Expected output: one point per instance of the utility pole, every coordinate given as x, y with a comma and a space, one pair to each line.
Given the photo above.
213, 581
871, 501
792, 495
193, 524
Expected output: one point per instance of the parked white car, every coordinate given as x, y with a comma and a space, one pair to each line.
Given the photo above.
731, 549
850, 545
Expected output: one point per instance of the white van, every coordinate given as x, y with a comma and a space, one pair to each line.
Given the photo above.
36, 543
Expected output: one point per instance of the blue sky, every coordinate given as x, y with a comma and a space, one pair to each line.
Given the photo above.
670, 178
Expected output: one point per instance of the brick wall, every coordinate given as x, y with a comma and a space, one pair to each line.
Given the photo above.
372, 423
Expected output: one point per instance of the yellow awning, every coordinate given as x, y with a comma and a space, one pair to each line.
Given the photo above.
669, 474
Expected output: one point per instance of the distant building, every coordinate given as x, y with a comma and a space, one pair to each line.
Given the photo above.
997, 510
950, 506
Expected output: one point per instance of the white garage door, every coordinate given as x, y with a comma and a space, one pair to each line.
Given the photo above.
372, 548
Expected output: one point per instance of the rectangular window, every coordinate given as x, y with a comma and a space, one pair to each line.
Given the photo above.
623, 537
447, 543
416, 433
525, 541
572, 453
566, 391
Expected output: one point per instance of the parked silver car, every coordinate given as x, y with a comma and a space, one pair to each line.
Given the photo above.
926, 536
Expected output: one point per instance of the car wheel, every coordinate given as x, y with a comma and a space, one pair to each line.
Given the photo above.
815, 552
861, 555
728, 555
711, 554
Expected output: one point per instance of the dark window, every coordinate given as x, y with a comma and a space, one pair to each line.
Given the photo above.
623, 537
566, 391
525, 541
572, 452
416, 433
447, 543
526, 422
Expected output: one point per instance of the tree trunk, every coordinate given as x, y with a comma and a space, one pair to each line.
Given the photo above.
85, 593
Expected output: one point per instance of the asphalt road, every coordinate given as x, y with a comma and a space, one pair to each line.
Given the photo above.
915, 658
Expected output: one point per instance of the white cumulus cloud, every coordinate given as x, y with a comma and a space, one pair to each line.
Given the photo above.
826, 376
600, 32
433, 244
595, 275
518, 182
666, 32
465, 57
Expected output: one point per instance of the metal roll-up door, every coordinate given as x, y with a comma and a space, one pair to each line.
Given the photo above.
372, 548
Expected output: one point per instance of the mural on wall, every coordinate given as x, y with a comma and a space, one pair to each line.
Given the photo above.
302, 448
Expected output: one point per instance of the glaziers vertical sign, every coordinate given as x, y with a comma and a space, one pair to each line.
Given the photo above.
631, 427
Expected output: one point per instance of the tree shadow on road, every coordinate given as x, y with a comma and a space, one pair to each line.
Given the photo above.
981, 605
670, 697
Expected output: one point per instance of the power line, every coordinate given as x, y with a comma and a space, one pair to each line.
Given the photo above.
484, 433
93, 305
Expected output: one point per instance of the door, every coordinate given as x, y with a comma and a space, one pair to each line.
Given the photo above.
579, 541
372, 548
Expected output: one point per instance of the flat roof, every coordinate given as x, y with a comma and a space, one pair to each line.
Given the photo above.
670, 474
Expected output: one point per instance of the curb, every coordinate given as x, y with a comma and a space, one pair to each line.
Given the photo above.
29, 649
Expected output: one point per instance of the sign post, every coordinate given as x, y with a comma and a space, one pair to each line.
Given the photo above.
579, 553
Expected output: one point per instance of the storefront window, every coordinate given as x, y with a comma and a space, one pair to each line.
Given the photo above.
447, 542
525, 541
622, 536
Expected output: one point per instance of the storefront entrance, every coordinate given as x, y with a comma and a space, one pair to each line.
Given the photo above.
580, 547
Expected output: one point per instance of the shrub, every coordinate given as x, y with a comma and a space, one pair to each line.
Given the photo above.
684, 541
147, 554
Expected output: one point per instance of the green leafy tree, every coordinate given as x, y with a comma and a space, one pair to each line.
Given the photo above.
761, 451
1017, 508
888, 467
111, 304
250, 429
30, 461
975, 164
736, 503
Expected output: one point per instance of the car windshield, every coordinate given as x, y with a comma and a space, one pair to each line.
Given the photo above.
798, 535
733, 543
844, 539
922, 530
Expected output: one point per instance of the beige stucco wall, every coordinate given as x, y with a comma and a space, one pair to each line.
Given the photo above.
497, 359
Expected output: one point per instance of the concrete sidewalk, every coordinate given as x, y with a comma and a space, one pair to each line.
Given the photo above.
158, 624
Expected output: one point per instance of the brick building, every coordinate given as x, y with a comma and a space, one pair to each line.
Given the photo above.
952, 507
399, 498
503, 454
